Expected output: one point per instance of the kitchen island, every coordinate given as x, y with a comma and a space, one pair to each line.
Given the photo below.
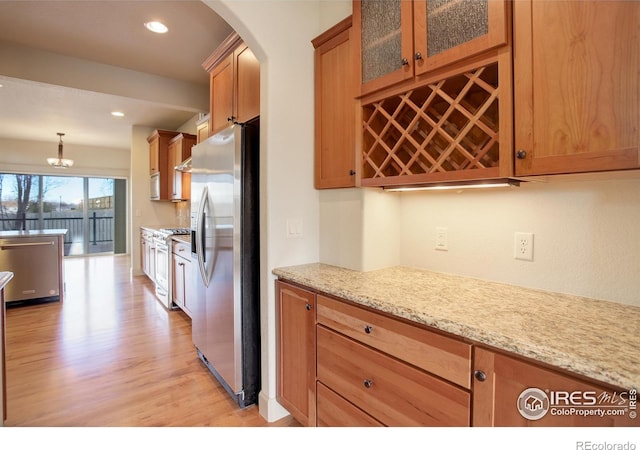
594, 338
36, 259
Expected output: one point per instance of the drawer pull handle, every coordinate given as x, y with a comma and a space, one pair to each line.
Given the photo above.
308, 306
368, 329
368, 383
480, 375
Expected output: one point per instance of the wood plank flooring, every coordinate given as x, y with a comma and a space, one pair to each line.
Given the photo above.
111, 355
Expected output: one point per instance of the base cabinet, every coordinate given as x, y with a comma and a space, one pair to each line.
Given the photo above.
296, 352
509, 391
181, 272
345, 365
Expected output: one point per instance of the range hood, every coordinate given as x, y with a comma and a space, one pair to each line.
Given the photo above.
184, 166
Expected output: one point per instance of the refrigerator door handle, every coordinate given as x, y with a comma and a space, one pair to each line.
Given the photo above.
206, 267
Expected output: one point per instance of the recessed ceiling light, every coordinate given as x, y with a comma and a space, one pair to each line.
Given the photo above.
156, 27
117, 113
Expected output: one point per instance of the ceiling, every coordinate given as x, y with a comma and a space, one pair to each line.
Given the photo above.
111, 62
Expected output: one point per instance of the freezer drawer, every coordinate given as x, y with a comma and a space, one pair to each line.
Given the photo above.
36, 264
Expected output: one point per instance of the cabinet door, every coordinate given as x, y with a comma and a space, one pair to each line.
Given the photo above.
447, 31
221, 91
335, 117
179, 280
383, 41
296, 352
577, 88
546, 397
175, 181
154, 151
247, 85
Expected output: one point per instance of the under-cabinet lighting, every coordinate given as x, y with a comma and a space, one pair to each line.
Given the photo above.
156, 27
456, 186
117, 114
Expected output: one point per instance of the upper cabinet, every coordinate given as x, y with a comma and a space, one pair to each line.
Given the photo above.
577, 104
398, 40
179, 182
234, 84
202, 128
159, 163
335, 108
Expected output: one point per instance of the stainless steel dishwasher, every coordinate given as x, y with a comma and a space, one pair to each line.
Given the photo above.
36, 265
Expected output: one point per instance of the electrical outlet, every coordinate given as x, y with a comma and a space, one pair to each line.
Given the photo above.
523, 246
442, 243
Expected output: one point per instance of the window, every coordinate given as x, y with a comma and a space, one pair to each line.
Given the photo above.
85, 207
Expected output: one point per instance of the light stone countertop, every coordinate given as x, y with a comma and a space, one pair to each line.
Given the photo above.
32, 233
594, 338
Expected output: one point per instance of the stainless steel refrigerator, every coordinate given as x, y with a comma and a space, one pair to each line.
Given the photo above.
225, 258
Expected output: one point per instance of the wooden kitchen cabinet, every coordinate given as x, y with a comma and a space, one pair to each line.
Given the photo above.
449, 117
159, 161
202, 128
577, 90
296, 351
398, 40
335, 113
377, 364
234, 77
499, 386
179, 149
181, 293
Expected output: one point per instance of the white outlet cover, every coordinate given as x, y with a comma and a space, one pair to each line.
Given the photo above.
523, 246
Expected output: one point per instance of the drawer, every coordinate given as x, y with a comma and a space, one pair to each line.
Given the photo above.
335, 411
392, 392
433, 352
181, 248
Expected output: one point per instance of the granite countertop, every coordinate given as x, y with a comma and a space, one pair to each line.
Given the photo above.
32, 233
5, 277
594, 338
182, 237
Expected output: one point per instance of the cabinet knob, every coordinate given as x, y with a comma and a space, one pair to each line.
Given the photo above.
418, 56
479, 375
231, 119
404, 62
368, 329
521, 154
367, 383
352, 172
308, 306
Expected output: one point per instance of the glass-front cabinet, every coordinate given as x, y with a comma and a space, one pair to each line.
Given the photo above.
398, 40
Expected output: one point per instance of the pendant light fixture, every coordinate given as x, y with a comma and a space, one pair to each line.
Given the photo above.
60, 162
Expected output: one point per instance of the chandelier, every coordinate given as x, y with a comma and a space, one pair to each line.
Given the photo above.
60, 162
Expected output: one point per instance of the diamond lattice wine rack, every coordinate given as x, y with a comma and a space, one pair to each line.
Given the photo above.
442, 131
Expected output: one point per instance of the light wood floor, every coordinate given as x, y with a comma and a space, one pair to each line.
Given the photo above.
111, 355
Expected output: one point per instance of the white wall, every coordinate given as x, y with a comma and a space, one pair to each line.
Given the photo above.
586, 238
280, 34
31, 157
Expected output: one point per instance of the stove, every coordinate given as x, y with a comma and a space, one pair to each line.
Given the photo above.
171, 231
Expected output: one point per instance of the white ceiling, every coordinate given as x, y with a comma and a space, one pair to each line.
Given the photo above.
37, 37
